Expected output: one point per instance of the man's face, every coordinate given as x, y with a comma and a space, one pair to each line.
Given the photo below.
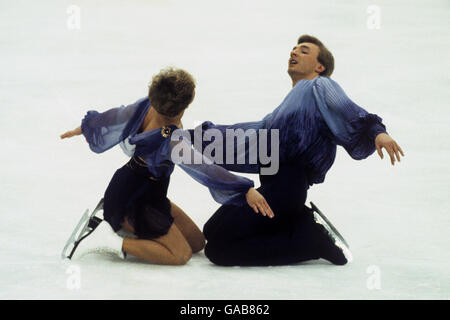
303, 62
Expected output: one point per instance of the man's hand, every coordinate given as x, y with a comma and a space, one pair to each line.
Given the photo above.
256, 201
71, 133
383, 140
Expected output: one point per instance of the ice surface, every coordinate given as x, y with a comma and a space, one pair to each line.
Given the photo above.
396, 219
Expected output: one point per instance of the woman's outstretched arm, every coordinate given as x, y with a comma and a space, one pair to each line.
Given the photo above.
71, 133
107, 129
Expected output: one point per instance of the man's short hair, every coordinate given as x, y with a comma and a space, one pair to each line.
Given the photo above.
325, 57
171, 91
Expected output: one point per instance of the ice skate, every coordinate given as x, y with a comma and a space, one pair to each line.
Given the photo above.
87, 224
339, 252
102, 239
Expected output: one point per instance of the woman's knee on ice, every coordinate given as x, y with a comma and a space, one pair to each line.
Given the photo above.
181, 256
198, 245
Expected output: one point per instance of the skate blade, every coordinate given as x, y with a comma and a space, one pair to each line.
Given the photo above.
76, 235
337, 240
345, 250
327, 224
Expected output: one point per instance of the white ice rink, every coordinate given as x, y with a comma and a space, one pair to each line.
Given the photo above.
62, 58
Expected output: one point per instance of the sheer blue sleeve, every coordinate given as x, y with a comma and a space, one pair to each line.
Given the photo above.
351, 126
225, 187
105, 130
234, 154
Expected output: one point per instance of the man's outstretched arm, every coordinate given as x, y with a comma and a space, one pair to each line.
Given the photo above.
359, 132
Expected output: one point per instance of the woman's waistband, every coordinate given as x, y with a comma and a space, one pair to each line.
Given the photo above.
138, 165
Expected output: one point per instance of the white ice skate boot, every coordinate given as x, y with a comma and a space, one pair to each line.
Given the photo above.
102, 239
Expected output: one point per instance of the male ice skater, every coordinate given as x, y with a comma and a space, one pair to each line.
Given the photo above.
312, 120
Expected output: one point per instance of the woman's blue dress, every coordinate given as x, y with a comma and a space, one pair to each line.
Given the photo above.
138, 190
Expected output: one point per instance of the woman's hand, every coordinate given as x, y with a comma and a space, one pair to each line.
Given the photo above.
383, 140
71, 133
258, 203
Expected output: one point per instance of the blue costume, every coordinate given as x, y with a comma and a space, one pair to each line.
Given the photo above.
138, 190
312, 120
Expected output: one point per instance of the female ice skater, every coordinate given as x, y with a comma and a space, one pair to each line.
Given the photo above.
136, 197
312, 120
